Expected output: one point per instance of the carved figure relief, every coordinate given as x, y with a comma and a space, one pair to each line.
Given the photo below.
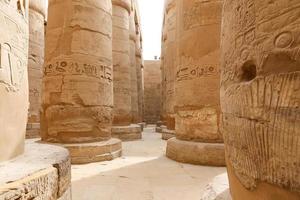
260, 91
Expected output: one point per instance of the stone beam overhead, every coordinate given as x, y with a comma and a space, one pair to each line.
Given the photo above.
197, 100
13, 77
37, 12
260, 98
77, 104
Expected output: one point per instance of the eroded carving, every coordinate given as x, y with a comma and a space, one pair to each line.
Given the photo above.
260, 91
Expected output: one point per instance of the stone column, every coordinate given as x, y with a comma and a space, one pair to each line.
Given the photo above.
170, 67
77, 101
260, 97
37, 11
139, 63
122, 73
134, 86
160, 125
40, 171
13, 78
198, 140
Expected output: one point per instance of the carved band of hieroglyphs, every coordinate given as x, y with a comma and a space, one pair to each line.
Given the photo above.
189, 73
74, 68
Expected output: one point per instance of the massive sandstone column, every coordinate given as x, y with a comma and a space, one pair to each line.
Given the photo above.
170, 67
139, 64
122, 73
132, 52
77, 85
160, 125
198, 139
40, 171
37, 11
13, 77
260, 95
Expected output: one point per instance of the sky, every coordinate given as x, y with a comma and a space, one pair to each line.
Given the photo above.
151, 12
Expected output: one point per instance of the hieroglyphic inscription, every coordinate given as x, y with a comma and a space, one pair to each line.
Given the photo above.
75, 68
195, 71
202, 12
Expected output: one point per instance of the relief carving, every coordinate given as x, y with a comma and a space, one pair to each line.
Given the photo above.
260, 91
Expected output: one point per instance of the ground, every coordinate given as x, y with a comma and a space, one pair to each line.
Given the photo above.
142, 173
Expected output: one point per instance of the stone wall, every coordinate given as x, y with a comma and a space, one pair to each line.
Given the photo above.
152, 93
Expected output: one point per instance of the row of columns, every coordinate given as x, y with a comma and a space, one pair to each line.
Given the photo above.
90, 85
31, 170
237, 79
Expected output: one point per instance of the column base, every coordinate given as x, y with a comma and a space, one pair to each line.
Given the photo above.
33, 130
42, 172
159, 129
211, 154
127, 133
142, 125
83, 153
167, 134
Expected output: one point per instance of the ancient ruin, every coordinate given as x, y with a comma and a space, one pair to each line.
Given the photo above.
78, 80
50, 175
140, 100
260, 98
152, 94
37, 14
198, 139
169, 65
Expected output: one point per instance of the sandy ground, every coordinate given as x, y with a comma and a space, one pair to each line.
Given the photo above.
142, 173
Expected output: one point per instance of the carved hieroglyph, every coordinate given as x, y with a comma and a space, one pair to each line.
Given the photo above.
260, 92
77, 84
122, 68
170, 61
37, 10
197, 76
13, 77
132, 52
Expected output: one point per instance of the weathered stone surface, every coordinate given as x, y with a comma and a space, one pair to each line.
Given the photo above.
167, 134
122, 68
127, 133
197, 153
152, 93
133, 64
139, 71
77, 102
13, 77
218, 189
82, 153
37, 10
42, 172
169, 61
197, 80
260, 98
197, 87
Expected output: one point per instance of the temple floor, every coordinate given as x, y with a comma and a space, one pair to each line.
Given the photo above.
142, 173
